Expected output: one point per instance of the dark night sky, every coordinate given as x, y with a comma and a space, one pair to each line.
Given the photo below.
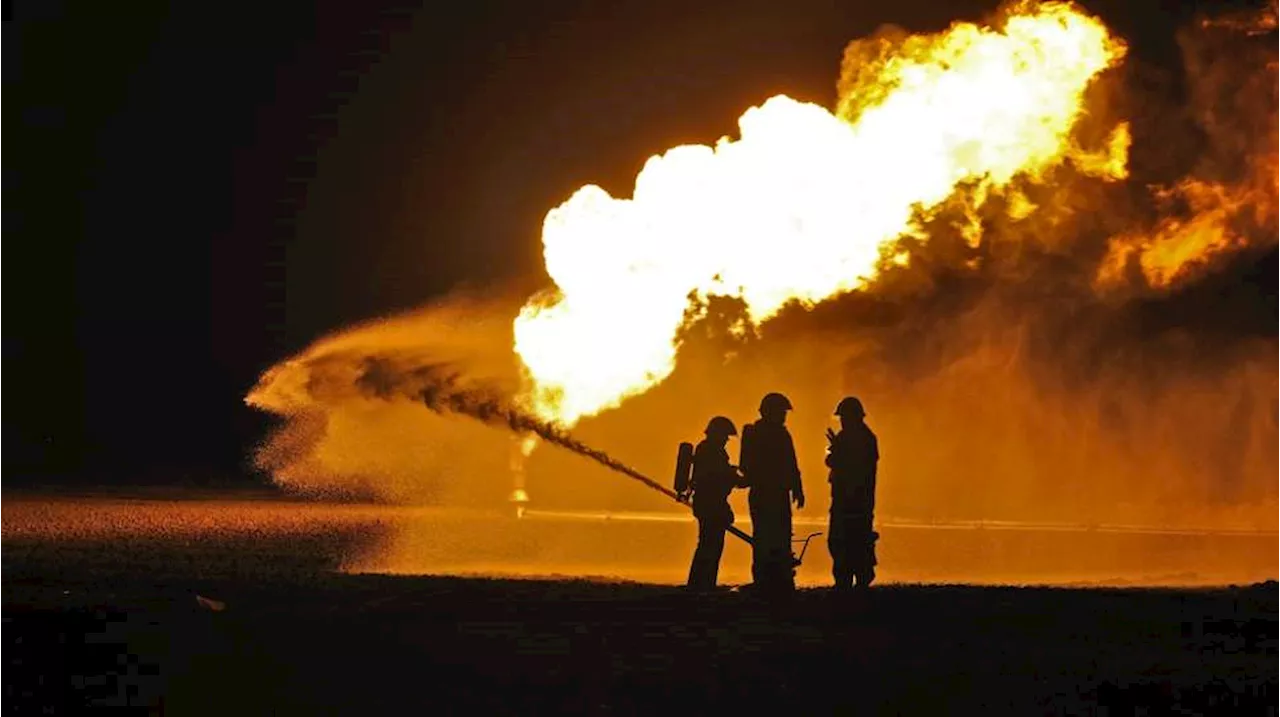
193, 192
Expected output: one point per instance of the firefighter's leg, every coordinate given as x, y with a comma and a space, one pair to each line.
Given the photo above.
779, 569
838, 546
699, 571
781, 564
866, 552
715, 549
695, 566
764, 564
866, 576
759, 546
787, 566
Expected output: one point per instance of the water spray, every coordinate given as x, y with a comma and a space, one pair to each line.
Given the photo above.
520, 450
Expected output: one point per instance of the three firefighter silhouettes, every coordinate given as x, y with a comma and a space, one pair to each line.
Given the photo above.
767, 468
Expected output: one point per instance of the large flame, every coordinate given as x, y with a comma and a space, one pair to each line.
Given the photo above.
805, 203
1202, 221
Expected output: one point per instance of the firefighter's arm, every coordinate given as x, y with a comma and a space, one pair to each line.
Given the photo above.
729, 474
875, 465
744, 450
744, 458
687, 495
835, 455
797, 487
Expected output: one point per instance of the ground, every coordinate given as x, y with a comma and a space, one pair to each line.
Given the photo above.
262, 623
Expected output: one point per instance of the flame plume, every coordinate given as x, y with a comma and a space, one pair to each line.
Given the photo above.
802, 206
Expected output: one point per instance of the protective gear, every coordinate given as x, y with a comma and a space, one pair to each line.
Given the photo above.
713, 480
853, 457
851, 407
768, 459
721, 426
684, 467
774, 403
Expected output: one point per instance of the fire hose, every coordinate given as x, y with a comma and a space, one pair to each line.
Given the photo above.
684, 466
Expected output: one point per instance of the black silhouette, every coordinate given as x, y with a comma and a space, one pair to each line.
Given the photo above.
712, 482
768, 460
852, 457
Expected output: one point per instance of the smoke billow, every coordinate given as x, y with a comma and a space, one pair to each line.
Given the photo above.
1072, 348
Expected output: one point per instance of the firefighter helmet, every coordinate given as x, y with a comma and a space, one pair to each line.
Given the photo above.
774, 403
850, 406
721, 426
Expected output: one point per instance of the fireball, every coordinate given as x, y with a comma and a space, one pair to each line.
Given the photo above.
805, 203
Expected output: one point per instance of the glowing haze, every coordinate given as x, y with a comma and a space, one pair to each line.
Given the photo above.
805, 204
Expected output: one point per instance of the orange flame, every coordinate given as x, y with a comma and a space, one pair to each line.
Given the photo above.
1182, 242
1203, 218
805, 203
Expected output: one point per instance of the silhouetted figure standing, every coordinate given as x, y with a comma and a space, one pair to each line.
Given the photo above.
713, 480
852, 457
768, 461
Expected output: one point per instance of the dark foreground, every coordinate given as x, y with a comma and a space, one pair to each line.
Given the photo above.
370, 645
103, 621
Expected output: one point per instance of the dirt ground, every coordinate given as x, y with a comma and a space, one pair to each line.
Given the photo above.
258, 623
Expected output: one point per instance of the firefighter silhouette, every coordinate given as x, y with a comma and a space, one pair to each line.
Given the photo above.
768, 461
852, 457
712, 481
